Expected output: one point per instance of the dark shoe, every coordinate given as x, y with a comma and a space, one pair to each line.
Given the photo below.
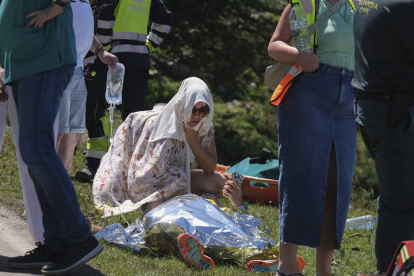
74, 256
192, 253
293, 274
37, 258
86, 174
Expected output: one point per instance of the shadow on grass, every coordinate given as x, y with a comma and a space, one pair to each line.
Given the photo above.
6, 270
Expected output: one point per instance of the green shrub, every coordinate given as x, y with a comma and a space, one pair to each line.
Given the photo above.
243, 129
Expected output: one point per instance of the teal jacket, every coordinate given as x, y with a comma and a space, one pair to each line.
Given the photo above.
26, 51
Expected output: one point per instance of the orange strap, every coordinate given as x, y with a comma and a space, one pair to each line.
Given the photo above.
285, 84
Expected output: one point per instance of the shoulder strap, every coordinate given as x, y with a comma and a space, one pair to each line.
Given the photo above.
316, 8
325, 15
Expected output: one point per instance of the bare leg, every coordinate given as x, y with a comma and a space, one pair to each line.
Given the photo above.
58, 139
287, 260
325, 252
207, 183
66, 148
151, 205
94, 228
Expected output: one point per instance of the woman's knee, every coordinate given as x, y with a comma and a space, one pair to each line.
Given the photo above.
220, 180
207, 183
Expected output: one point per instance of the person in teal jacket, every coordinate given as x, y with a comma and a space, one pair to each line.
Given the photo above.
38, 54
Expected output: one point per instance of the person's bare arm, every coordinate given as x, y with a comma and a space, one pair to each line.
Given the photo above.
206, 158
3, 95
234, 192
104, 55
280, 49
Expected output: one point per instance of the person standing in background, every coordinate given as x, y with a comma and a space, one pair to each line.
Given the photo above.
31, 203
383, 86
38, 54
122, 29
73, 102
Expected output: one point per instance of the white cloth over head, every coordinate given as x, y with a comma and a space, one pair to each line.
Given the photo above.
178, 112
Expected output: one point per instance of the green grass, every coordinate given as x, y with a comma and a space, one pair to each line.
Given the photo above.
356, 256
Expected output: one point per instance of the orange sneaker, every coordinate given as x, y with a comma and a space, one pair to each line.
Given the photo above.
192, 253
270, 266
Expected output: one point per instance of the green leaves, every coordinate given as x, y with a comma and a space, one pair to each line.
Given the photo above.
218, 41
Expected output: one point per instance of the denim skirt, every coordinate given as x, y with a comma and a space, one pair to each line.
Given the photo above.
316, 113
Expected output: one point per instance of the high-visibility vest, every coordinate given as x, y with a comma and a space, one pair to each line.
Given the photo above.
131, 23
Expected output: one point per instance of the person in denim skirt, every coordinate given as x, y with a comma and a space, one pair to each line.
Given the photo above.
384, 110
38, 54
317, 138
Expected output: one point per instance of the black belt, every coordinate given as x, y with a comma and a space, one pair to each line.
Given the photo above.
375, 96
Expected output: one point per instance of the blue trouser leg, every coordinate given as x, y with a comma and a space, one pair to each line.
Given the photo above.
393, 154
38, 97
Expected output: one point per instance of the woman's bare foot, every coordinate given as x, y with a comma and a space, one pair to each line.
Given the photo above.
94, 228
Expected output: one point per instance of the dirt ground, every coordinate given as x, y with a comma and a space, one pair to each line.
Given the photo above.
15, 240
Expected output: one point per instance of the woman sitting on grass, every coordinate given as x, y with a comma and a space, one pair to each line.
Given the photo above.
154, 154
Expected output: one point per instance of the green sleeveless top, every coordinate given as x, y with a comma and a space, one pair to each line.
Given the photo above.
336, 38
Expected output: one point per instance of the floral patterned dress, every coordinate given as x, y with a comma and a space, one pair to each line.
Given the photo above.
135, 171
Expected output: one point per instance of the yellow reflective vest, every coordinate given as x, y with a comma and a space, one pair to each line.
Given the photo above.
132, 19
313, 16
123, 25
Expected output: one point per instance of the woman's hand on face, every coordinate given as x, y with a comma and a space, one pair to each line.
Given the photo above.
308, 61
234, 192
190, 134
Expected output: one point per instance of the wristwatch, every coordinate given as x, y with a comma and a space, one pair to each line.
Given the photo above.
60, 3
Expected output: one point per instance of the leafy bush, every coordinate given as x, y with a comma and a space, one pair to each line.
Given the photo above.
243, 129
365, 176
160, 90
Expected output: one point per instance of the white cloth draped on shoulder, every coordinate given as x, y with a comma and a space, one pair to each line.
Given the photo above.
149, 158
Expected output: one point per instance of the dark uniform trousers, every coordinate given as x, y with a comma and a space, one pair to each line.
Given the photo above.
133, 98
393, 154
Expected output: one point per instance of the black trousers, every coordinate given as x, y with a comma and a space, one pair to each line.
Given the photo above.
393, 152
134, 93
